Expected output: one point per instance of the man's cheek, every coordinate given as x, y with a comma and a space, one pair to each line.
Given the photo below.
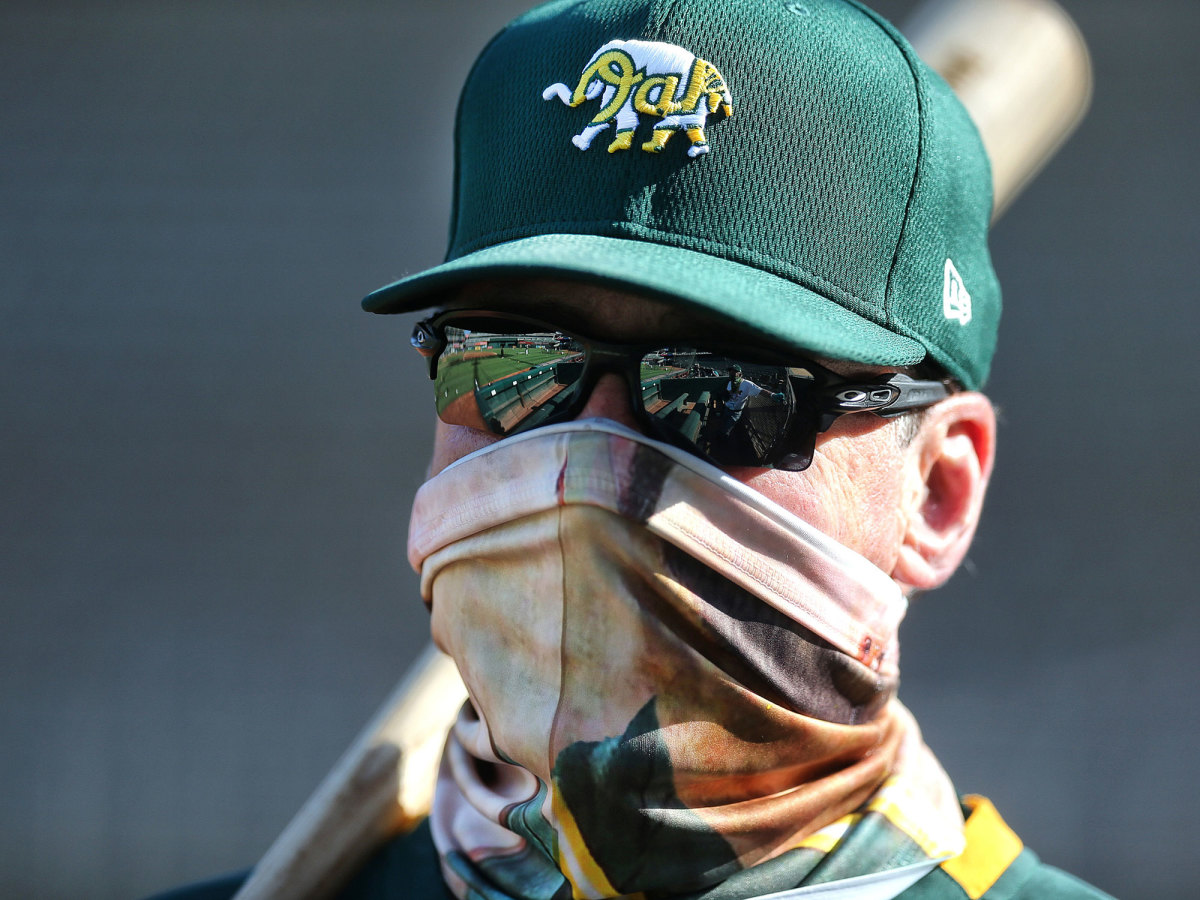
453, 442
832, 500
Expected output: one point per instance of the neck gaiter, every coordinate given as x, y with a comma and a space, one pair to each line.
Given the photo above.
677, 688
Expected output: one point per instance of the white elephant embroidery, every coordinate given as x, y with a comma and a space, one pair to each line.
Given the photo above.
633, 78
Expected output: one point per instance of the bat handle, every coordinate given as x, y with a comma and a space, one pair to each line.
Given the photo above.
382, 786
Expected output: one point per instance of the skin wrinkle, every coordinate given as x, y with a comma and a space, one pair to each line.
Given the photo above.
859, 490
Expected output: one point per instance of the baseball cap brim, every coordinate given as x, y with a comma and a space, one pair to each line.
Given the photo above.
773, 306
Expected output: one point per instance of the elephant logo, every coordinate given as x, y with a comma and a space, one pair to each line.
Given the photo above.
635, 78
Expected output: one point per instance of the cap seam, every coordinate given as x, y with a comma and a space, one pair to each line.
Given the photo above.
919, 93
660, 19
948, 358
456, 182
456, 179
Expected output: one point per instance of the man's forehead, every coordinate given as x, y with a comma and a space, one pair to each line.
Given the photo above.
618, 314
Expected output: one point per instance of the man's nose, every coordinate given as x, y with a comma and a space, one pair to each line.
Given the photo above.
609, 399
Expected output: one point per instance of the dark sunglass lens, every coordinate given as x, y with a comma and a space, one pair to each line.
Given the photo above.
733, 412
505, 377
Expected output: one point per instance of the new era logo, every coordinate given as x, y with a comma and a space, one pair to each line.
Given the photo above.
956, 300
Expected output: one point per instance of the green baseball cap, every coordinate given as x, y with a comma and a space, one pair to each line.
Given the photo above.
793, 167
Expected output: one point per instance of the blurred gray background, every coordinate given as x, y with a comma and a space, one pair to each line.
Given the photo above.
208, 452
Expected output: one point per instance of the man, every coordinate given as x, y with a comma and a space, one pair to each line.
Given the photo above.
738, 391
681, 655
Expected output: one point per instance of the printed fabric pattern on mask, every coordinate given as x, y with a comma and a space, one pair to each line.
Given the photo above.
677, 688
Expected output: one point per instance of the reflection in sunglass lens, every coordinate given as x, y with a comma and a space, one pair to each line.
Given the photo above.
731, 411
727, 409
504, 382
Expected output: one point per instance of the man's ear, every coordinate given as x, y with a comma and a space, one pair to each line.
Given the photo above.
949, 464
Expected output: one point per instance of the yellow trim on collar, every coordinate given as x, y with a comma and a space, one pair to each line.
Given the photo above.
827, 838
991, 848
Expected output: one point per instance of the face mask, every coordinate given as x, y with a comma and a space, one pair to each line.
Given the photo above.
674, 683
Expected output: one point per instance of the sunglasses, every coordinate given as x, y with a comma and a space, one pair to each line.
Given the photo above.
731, 406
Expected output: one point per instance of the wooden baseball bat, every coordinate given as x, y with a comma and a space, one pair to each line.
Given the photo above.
1022, 70
381, 786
